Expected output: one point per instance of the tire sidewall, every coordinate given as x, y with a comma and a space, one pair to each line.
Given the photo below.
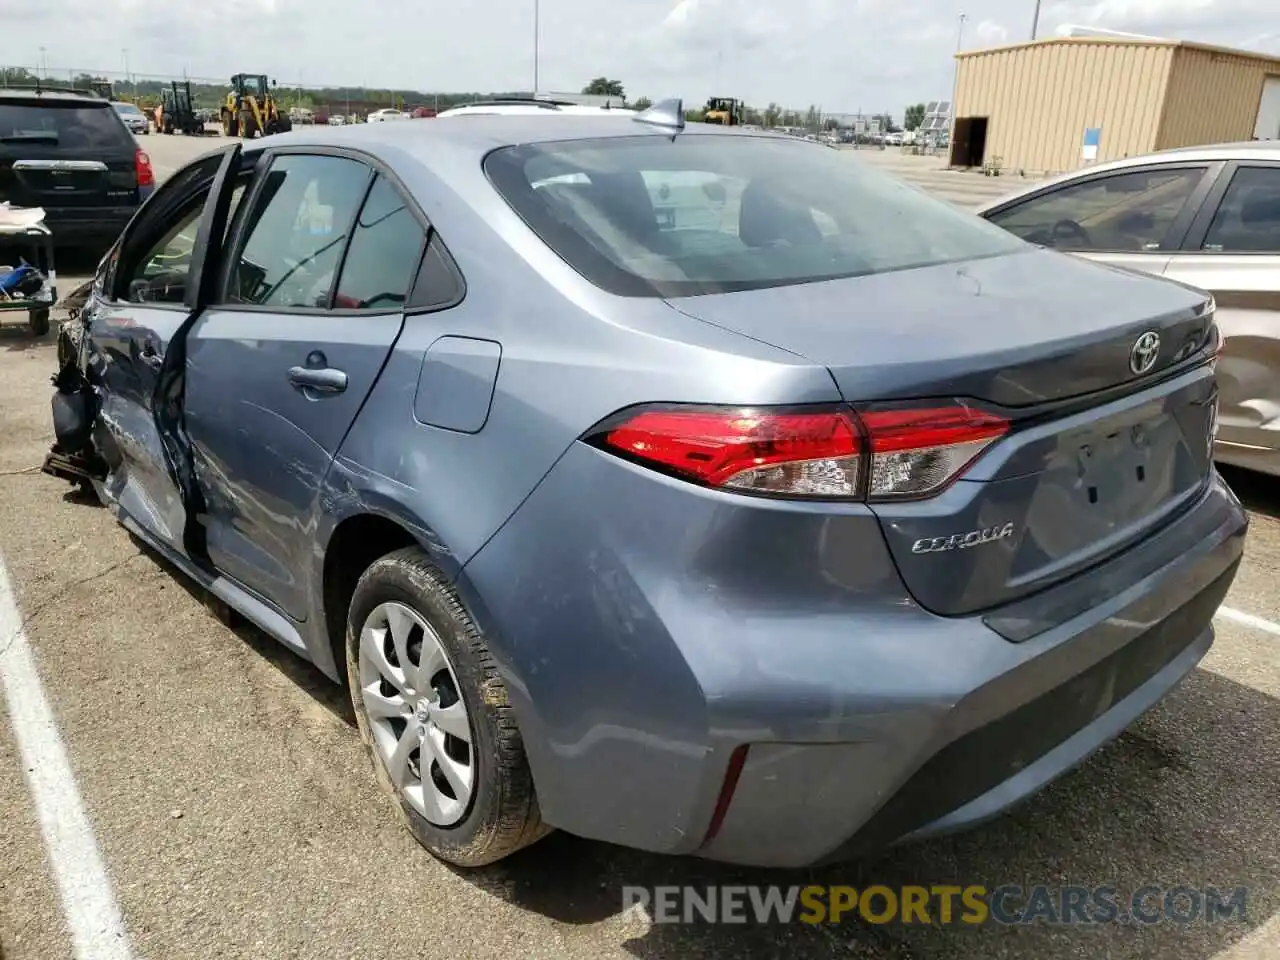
391, 581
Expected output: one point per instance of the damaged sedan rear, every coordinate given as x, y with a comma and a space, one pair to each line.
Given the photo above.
689, 489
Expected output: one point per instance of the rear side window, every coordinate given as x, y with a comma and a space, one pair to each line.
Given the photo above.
386, 247
296, 231
657, 216
73, 125
1248, 220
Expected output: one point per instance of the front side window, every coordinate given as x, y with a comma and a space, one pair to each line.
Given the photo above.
165, 267
1121, 213
386, 247
653, 216
153, 261
163, 270
296, 231
1248, 220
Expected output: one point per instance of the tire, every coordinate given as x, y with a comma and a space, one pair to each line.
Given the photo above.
228, 123
501, 814
248, 125
38, 320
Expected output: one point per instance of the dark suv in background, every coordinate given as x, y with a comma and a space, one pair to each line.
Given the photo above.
69, 152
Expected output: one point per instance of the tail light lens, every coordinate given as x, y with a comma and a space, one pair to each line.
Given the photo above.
917, 452
142, 163
892, 453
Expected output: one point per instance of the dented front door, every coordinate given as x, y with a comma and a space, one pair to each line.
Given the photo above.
143, 302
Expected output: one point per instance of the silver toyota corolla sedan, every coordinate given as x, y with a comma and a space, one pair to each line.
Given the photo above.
1209, 216
674, 486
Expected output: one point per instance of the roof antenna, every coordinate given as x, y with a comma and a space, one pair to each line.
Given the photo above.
667, 113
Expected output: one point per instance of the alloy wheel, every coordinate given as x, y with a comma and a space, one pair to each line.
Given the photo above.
418, 720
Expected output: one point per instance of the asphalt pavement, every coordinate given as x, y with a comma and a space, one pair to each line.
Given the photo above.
218, 802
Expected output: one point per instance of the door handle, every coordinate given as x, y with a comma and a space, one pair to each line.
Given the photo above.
150, 355
321, 380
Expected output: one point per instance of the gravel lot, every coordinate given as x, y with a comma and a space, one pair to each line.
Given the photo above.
237, 816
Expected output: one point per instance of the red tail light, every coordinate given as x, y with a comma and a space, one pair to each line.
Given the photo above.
897, 453
916, 452
142, 163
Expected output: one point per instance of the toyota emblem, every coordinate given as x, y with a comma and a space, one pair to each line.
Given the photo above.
1144, 353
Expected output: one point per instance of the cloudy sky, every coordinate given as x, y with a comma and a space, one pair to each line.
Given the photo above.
842, 55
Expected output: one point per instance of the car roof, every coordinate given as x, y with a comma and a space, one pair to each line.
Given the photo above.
479, 133
1210, 153
49, 93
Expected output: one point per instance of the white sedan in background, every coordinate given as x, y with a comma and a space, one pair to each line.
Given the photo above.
381, 116
1207, 216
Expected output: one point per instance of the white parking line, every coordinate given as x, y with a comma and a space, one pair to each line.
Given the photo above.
1249, 620
97, 929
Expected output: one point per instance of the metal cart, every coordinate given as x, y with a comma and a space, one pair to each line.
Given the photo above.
37, 242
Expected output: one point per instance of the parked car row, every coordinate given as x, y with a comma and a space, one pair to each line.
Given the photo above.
695, 490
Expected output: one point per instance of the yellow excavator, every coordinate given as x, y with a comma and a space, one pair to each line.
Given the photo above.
723, 110
251, 108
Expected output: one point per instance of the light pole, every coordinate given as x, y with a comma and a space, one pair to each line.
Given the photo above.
537, 13
44, 65
1035, 20
124, 58
955, 77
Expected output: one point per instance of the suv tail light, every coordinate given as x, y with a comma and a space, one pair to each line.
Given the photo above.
142, 163
900, 452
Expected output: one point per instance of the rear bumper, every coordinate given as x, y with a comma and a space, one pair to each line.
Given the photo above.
648, 630
89, 224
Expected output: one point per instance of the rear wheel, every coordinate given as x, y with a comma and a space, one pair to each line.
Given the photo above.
248, 125
434, 714
229, 128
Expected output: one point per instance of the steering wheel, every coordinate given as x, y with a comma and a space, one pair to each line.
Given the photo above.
1070, 231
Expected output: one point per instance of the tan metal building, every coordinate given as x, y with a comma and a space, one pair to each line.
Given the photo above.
1056, 105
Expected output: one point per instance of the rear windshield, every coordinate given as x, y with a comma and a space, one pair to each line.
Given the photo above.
662, 217
75, 126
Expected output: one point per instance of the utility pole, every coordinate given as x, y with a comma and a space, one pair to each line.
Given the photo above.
1035, 21
536, 32
44, 65
955, 78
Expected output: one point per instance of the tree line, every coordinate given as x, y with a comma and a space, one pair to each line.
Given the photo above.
206, 95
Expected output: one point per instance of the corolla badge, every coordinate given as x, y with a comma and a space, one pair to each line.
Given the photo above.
1142, 357
963, 541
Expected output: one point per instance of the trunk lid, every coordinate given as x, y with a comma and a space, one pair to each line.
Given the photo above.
1016, 330
1098, 457
59, 153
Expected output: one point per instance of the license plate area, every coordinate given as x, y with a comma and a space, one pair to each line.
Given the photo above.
1125, 472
